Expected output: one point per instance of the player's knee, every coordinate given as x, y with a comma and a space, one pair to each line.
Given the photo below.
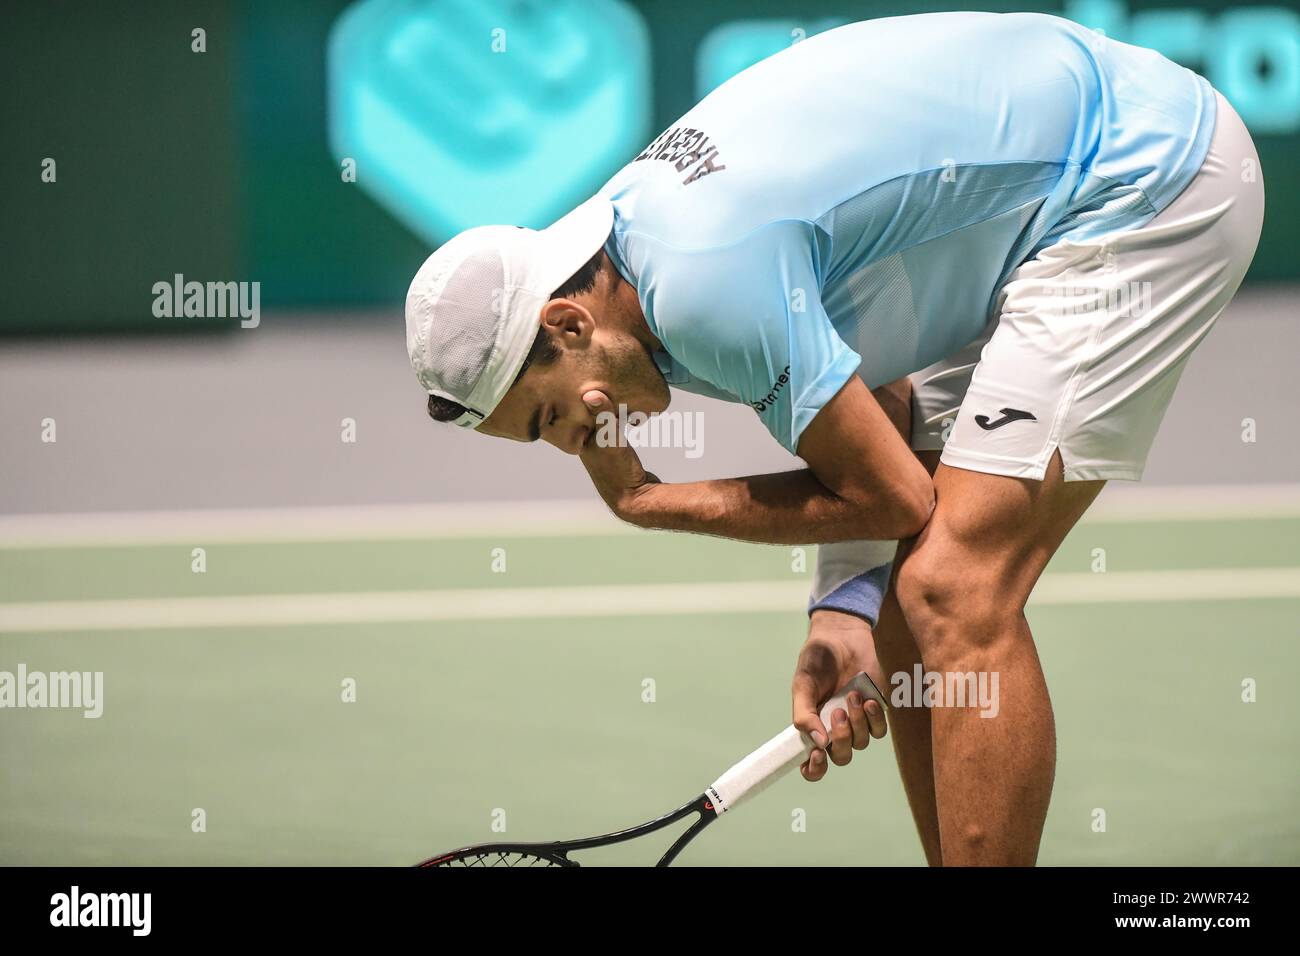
928, 590
952, 610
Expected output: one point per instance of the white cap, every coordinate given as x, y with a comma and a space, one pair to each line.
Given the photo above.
473, 309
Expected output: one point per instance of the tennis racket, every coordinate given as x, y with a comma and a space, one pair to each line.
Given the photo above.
767, 764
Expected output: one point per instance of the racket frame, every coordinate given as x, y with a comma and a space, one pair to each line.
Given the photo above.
558, 851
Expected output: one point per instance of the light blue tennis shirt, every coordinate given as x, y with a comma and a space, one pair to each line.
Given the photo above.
855, 202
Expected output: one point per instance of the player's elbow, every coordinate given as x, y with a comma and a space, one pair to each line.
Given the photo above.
901, 510
915, 508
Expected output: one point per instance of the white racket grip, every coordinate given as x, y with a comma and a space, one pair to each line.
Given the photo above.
781, 754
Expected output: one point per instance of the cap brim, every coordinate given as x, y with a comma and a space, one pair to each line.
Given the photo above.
569, 242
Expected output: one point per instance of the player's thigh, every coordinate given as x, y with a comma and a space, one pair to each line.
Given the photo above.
987, 543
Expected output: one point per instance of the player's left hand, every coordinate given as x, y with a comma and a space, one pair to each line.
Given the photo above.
839, 646
614, 466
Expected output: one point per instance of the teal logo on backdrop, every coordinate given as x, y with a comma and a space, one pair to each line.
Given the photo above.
1250, 53
459, 113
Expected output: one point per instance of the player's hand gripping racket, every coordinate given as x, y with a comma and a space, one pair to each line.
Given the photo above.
768, 763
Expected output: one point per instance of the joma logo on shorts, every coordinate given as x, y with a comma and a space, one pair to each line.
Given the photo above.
768, 400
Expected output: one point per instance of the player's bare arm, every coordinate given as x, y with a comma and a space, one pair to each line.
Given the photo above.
862, 482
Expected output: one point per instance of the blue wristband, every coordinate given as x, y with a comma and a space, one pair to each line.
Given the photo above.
860, 596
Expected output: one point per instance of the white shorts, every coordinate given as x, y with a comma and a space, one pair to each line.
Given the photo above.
1090, 338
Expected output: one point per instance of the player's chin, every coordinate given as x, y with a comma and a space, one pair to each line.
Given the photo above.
660, 396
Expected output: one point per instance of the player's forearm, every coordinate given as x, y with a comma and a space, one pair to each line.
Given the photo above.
790, 507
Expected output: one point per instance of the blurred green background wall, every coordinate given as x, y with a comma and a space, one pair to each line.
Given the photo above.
216, 165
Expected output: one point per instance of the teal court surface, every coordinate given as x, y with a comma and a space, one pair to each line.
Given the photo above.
565, 680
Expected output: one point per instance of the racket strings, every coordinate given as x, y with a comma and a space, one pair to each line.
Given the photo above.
500, 858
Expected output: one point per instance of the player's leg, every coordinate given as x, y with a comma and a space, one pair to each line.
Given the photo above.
1004, 624
963, 590
936, 395
909, 727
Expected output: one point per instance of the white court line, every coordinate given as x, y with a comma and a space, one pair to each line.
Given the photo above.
788, 595
1118, 503
1124, 501
515, 519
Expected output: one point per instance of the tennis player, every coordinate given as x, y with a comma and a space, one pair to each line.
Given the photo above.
1012, 227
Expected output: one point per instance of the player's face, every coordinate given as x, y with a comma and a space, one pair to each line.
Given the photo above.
547, 402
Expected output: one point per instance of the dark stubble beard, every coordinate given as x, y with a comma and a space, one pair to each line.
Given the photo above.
635, 379
645, 384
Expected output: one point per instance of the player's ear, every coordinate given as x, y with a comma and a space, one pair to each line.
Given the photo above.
571, 321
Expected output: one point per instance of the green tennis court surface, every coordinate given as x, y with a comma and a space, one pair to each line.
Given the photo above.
522, 695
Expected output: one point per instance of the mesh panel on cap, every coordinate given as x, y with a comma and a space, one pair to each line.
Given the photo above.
463, 329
